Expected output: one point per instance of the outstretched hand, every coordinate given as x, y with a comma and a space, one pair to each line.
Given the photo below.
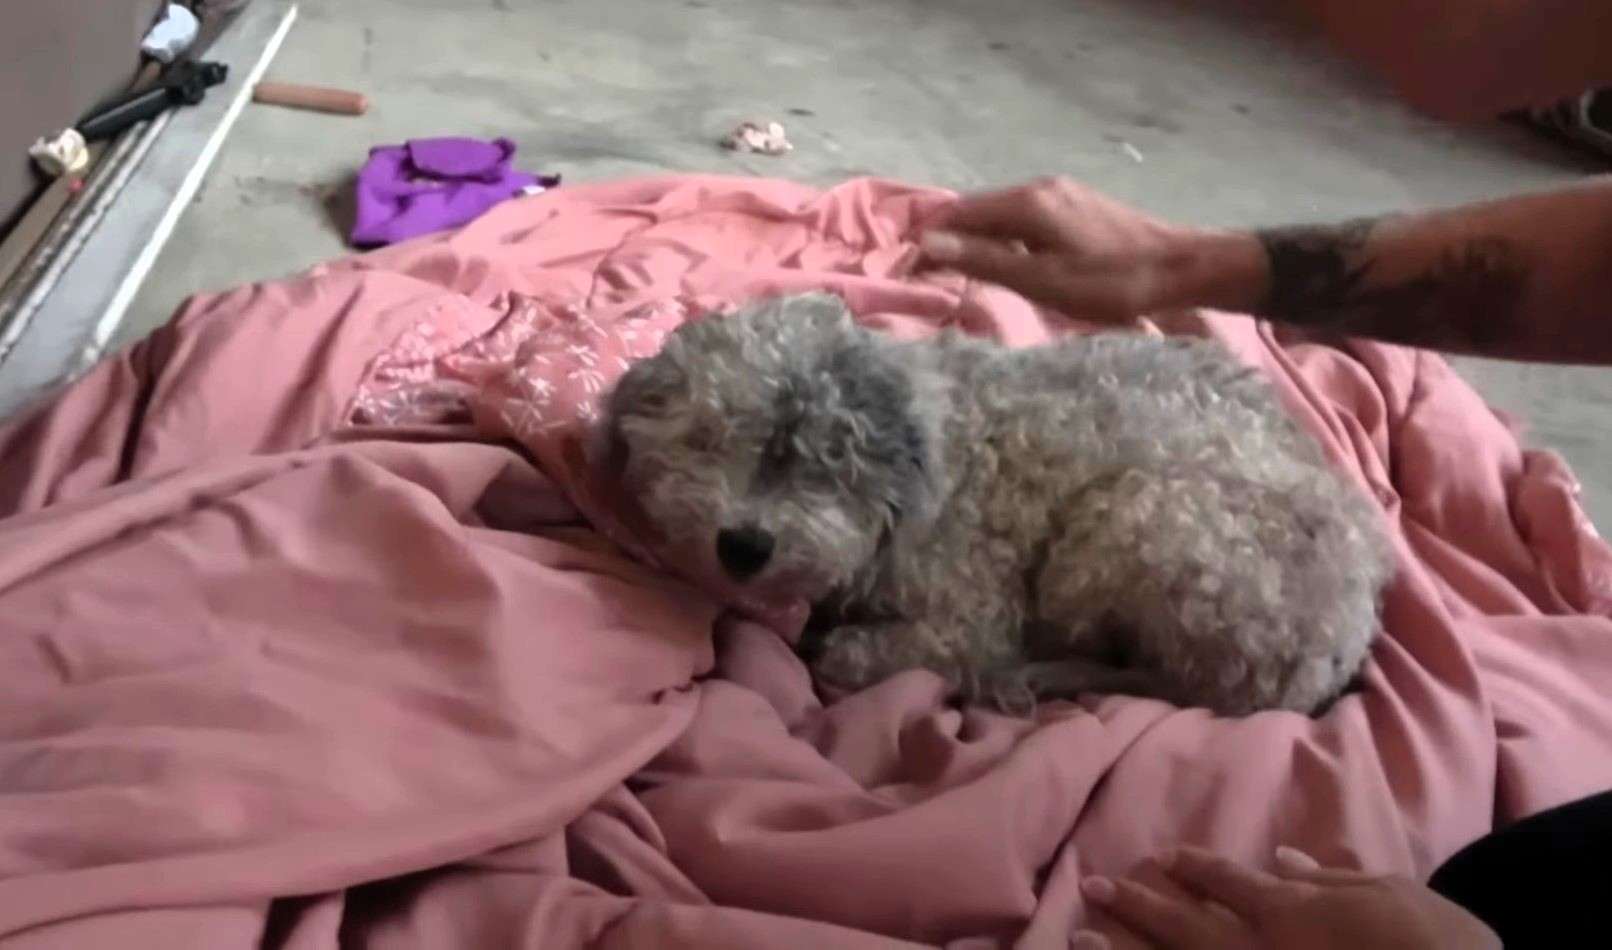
1091, 257
1224, 905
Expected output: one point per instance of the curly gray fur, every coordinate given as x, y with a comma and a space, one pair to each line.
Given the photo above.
1113, 513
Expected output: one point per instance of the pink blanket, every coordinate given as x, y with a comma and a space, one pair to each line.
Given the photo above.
305, 638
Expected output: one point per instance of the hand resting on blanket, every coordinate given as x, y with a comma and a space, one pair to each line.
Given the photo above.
1213, 903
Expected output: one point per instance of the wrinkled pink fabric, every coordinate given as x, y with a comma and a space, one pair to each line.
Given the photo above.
272, 671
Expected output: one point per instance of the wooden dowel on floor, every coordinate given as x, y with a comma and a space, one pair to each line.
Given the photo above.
314, 98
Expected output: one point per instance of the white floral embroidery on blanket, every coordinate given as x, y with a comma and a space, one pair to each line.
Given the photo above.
535, 374
542, 366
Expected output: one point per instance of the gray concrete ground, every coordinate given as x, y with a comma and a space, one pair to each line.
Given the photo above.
1234, 120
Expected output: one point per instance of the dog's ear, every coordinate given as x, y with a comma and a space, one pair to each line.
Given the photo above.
891, 403
918, 495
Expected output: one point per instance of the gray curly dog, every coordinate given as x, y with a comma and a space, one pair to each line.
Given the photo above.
1113, 513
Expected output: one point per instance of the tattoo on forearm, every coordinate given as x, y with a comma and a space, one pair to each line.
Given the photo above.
1315, 268
1468, 299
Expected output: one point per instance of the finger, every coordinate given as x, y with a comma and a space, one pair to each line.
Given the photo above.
1044, 278
1246, 891
1089, 940
1294, 861
1025, 213
1000, 262
1172, 923
1294, 865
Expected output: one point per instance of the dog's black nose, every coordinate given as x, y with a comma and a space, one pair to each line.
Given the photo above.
743, 551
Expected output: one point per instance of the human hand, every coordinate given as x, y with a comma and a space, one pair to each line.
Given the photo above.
1091, 257
1230, 906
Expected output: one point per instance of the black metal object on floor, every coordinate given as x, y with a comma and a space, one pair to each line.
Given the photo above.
185, 83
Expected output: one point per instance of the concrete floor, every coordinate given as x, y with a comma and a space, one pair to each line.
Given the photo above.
1236, 123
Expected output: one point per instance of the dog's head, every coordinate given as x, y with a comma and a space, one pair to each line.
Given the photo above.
780, 447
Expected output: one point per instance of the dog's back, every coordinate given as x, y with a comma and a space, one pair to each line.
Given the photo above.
1156, 491
1114, 401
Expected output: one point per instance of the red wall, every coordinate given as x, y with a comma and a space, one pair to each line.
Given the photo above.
1470, 58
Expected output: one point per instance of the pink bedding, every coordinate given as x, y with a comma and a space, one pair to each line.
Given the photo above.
297, 648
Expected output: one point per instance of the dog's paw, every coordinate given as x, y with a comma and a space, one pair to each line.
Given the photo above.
848, 657
856, 656
1008, 690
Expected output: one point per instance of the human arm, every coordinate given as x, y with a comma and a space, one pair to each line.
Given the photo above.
1528, 277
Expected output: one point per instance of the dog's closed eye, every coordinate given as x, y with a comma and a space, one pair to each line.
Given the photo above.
703, 437
651, 403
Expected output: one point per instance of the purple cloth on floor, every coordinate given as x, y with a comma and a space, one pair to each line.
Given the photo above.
427, 185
